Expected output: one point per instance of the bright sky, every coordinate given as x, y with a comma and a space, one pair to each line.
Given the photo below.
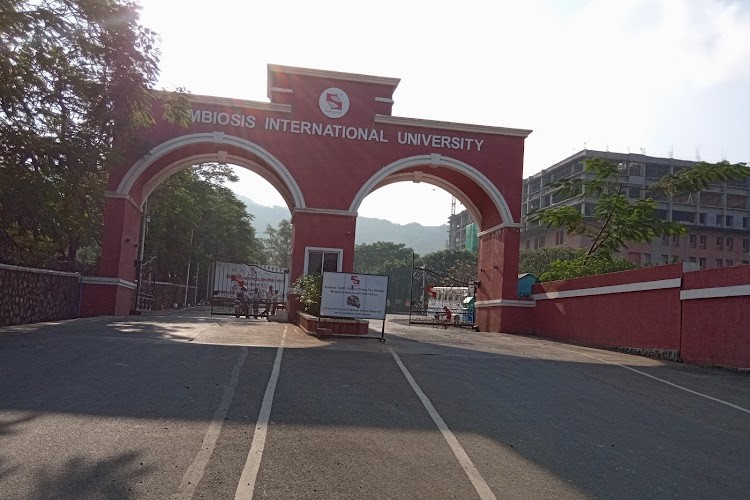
657, 75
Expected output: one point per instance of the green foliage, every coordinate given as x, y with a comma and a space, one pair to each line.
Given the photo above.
380, 257
459, 265
278, 246
584, 266
617, 220
74, 84
310, 287
699, 177
386, 258
539, 261
194, 200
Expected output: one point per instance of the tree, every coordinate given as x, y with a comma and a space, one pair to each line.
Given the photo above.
379, 257
617, 220
459, 265
278, 246
75, 80
391, 259
581, 266
538, 261
194, 217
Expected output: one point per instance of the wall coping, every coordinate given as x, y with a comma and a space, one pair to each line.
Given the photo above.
611, 289
38, 271
715, 292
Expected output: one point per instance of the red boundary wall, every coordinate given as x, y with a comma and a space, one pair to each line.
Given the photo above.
716, 317
702, 317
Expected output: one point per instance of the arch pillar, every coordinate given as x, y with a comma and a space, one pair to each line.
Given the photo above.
112, 292
329, 229
498, 308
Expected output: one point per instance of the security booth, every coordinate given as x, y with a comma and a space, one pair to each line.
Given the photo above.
525, 282
469, 312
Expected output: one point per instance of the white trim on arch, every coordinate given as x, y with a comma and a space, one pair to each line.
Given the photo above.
172, 168
135, 171
435, 159
439, 182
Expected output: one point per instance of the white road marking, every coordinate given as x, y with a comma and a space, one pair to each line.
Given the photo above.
721, 401
246, 486
195, 472
483, 489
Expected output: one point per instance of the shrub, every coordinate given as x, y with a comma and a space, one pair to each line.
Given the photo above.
310, 288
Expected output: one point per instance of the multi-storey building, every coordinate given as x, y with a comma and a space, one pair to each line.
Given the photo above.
459, 226
718, 218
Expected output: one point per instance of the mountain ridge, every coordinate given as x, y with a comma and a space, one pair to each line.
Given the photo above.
422, 239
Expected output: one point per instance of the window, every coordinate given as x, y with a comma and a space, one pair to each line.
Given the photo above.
536, 243
719, 262
682, 216
319, 260
720, 243
745, 222
730, 262
719, 220
665, 259
702, 218
541, 242
729, 220
730, 244
710, 199
702, 262
559, 237
646, 258
746, 244
693, 260
665, 240
675, 240
702, 242
692, 240
528, 244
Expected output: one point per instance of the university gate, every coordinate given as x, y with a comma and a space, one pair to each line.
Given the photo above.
325, 141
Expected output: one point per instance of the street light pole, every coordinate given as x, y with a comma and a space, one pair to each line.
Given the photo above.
187, 278
139, 262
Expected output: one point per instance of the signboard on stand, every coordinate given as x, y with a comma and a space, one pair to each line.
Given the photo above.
348, 295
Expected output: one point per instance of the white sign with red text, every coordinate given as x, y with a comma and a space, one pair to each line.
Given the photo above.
348, 295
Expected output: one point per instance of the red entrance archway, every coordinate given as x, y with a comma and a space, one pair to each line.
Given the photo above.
325, 141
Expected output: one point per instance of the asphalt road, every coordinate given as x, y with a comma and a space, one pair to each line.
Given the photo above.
184, 405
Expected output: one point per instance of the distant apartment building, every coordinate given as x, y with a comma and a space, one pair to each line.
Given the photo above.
462, 232
718, 218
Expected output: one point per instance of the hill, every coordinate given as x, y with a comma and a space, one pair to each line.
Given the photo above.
423, 239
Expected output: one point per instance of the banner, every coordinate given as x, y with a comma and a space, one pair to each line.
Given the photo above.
230, 277
347, 295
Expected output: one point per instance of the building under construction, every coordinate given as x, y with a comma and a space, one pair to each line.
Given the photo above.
718, 218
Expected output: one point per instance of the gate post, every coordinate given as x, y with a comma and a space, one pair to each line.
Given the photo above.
112, 292
498, 308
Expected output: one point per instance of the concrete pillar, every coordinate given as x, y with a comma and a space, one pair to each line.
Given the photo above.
498, 308
112, 291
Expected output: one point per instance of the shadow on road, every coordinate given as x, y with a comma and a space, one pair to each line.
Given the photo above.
578, 420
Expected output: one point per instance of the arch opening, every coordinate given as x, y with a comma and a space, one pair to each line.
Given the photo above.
403, 169
179, 153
